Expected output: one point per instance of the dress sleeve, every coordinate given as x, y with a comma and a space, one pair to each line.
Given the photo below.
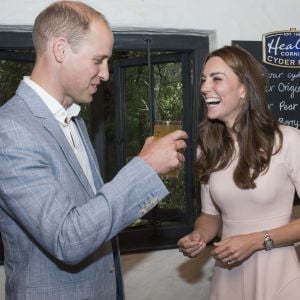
207, 203
291, 140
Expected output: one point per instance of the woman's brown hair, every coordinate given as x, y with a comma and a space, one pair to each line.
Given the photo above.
256, 129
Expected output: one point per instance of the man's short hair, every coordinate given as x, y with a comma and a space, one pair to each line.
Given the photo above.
70, 19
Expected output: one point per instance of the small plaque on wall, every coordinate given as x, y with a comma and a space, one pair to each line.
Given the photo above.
282, 48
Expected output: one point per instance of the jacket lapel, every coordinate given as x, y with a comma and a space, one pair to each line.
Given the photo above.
41, 111
98, 181
53, 127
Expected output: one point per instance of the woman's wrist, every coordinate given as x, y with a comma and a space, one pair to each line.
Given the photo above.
258, 240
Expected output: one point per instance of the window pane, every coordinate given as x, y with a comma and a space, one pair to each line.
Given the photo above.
11, 72
168, 105
137, 109
168, 92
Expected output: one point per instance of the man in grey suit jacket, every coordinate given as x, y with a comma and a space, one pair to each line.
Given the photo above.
56, 216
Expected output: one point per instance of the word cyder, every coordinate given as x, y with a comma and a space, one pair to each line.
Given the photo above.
283, 61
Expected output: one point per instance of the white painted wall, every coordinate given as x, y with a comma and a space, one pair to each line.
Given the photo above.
230, 19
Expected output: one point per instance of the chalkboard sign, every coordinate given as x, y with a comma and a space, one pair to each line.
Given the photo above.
283, 93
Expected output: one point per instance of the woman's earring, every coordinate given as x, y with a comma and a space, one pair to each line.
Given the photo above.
243, 100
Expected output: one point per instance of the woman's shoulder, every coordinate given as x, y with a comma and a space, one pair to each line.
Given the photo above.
289, 131
291, 135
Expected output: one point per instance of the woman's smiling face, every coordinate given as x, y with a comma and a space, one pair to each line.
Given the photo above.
222, 91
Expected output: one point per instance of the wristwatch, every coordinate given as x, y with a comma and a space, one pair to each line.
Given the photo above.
268, 242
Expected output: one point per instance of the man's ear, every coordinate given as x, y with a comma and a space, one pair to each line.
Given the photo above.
60, 48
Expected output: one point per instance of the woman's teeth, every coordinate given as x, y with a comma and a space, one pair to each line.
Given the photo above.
212, 101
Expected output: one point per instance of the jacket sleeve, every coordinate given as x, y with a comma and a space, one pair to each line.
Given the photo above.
38, 202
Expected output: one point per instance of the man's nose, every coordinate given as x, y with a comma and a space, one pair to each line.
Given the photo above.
104, 72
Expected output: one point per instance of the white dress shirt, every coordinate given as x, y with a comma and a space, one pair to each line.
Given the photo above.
68, 126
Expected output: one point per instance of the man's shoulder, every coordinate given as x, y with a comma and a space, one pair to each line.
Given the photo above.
11, 106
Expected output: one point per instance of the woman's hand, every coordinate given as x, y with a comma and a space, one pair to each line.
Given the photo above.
235, 249
191, 245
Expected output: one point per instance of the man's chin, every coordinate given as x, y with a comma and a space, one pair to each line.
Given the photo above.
85, 100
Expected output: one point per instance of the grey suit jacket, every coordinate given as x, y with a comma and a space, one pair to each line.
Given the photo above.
56, 232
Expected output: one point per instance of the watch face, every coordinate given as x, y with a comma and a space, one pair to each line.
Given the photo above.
268, 244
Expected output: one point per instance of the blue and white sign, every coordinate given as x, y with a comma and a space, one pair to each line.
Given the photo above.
282, 48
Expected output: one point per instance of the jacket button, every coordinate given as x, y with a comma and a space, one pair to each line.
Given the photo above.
111, 270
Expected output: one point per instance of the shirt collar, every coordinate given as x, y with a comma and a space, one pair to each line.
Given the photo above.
62, 115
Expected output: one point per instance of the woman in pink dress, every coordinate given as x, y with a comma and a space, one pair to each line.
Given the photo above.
249, 169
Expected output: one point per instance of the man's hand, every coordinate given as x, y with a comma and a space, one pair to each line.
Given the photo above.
191, 245
165, 154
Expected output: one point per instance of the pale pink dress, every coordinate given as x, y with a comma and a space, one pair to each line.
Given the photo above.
266, 275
